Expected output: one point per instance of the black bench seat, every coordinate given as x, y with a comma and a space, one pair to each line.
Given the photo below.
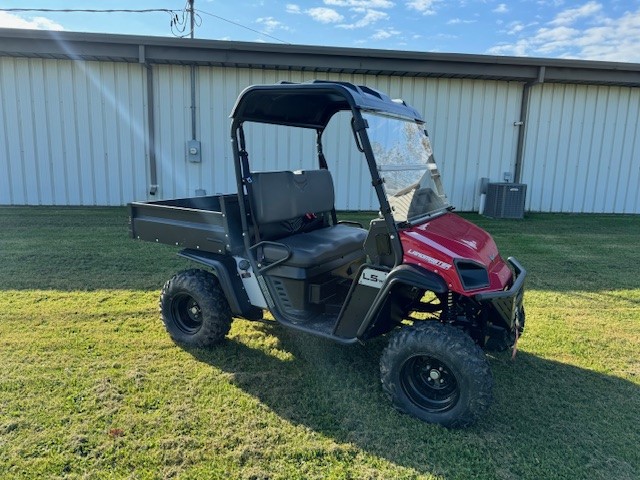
278, 199
317, 247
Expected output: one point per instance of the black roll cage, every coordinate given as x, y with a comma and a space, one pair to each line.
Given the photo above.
311, 105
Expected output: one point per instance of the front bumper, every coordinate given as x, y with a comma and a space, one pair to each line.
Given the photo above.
508, 304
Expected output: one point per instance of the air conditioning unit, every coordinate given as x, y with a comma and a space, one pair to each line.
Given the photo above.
505, 200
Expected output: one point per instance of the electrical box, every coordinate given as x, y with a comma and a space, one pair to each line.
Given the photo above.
193, 151
505, 200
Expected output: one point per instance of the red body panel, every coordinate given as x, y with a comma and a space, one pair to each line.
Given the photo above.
436, 243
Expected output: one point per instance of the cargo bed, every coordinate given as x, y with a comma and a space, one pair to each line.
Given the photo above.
211, 224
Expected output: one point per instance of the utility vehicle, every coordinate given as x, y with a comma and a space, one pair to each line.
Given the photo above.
430, 281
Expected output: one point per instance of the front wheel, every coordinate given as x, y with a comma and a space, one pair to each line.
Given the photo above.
436, 373
194, 310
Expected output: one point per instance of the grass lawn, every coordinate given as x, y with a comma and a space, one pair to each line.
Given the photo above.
92, 387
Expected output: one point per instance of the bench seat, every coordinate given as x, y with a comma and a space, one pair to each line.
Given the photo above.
317, 247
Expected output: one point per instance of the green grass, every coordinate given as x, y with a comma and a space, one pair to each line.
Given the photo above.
92, 387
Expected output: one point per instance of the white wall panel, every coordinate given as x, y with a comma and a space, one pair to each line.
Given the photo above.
173, 129
471, 123
72, 132
581, 149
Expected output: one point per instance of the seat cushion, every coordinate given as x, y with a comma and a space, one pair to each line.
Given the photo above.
317, 247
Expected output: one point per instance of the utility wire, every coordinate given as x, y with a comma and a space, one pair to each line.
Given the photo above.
178, 25
176, 22
242, 26
68, 10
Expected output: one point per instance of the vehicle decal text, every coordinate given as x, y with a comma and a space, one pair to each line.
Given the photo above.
430, 260
372, 278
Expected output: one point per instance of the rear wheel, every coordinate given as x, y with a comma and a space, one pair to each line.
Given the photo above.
436, 373
194, 309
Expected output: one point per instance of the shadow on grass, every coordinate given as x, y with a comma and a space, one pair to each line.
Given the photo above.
90, 249
549, 420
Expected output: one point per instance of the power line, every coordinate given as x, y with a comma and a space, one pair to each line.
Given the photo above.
180, 24
86, 10
176, 22
242, 26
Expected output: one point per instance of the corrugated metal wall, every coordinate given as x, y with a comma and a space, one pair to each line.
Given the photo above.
73, 133
217, 90
582, 149
471, 124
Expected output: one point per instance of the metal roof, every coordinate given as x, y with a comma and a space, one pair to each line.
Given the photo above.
165, 50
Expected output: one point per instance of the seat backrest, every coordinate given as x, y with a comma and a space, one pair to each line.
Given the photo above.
280, 196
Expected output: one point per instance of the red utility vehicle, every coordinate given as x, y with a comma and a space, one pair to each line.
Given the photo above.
430, 281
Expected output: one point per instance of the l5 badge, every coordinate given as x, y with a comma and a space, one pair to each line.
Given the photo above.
372, 278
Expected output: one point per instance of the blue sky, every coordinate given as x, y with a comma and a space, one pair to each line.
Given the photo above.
591, 29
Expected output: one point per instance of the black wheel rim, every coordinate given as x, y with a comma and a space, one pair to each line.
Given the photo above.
186, 313
429, 383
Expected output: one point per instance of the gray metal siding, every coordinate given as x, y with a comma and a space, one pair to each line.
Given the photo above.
75, 132
582, 149
473, 133
72, 132
470, 121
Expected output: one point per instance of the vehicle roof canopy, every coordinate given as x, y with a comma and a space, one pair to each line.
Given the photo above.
312, 104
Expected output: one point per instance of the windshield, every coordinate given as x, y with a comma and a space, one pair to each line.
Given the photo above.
405, 161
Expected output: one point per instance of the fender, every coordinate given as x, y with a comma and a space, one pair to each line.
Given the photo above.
407, 274
415, 276
225, 269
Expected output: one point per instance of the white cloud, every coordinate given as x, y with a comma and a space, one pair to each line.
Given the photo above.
383, 34
553, 3
293, 8
612, 39
363, 12
325, 15
270, 24
570, 15
501, 8
7, 20
515, 27
555, 39
445, 36
426, 7
371, 16
360, 3
518, 49
457, 21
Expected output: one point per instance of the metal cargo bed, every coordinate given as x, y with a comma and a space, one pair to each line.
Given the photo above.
211, 224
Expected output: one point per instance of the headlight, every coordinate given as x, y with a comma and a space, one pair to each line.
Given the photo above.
472, 274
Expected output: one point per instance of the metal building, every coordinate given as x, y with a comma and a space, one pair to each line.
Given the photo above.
94, 119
